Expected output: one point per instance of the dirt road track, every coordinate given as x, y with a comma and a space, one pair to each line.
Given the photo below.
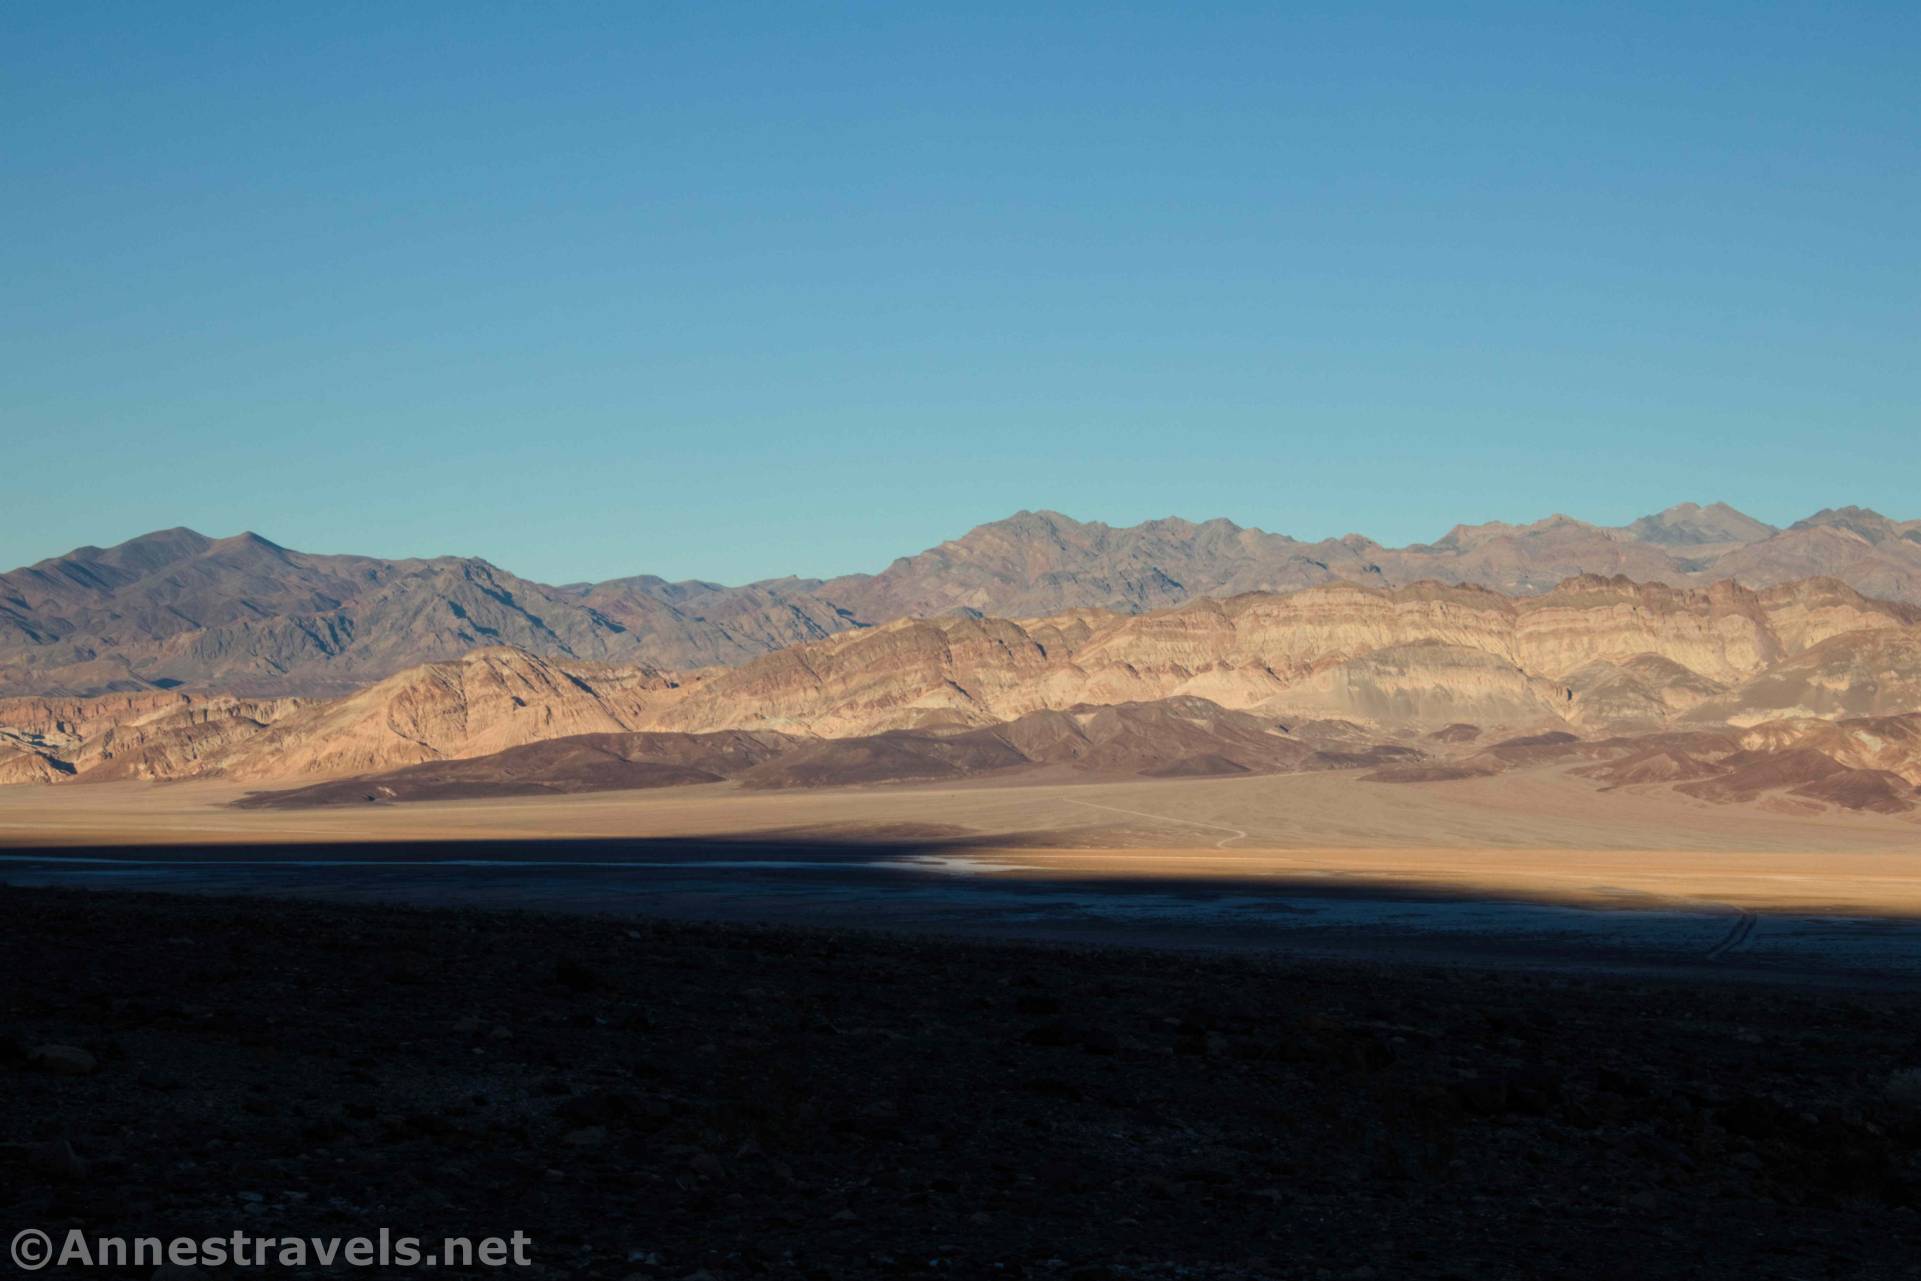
1744, 923
1223, 843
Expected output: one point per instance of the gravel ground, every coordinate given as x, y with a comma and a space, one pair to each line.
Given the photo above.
661, 1100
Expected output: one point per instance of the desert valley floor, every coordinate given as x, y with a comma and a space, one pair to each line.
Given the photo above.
1532, 867
1490, 1028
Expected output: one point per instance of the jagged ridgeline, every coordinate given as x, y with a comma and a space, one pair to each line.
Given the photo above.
1338, 676
244, 616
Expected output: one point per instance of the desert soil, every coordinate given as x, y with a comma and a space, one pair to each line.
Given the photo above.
1538, 834
654, 1100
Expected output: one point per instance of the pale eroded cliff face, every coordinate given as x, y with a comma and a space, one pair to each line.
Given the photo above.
1595, 653
1594, 656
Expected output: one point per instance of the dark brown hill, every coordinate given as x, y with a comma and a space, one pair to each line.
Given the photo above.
582, 763
1181, 737
1864, 763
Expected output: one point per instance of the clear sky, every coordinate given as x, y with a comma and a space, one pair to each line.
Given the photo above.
735, 290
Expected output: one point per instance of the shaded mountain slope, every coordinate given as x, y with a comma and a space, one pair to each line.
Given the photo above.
245, 616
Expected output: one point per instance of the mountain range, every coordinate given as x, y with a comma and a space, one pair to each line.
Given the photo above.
1594, 657
246, 617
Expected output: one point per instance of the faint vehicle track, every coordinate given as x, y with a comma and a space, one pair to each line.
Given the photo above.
1238, 834
1744, 923
1737, 935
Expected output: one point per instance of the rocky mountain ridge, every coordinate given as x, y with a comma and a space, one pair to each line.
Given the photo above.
1594, 657
245, 616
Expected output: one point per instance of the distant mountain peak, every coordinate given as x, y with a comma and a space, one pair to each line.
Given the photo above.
1041, 518
1690, 524
246, 615
247, 544
1866, 522
136, 556
179, 539
251, 539
1466, 536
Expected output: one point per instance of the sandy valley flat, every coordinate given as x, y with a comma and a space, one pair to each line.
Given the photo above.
1536, 834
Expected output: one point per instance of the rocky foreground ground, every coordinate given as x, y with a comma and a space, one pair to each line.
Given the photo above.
672, 1101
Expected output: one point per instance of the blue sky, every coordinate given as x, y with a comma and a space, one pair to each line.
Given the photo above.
735, 290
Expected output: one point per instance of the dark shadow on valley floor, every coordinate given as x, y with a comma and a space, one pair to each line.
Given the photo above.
925, 880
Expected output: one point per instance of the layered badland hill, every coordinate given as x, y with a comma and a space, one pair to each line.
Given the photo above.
244, 616
1231, 684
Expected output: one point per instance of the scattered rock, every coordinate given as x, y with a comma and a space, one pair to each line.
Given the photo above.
62, 1060
1904, 1088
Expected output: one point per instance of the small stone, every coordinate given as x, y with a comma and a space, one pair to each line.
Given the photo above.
1904, 1087
707, 1166
587, 1136
62, 1060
